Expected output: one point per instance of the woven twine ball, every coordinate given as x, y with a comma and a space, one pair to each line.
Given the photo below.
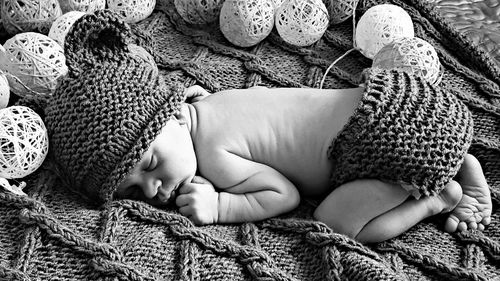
277, 4
29, 15
62, 24
24, 142
199, 11
4, 91
88, 6
411, 54
246, 22
379, 26
302, 22
33, 63
132, 10
4, 84
340, 10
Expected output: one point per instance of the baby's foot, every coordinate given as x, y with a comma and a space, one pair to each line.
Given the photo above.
474, 209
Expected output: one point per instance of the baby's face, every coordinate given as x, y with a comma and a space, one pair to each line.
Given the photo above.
169, 162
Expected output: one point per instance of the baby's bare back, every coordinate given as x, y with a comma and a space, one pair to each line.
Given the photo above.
288, 129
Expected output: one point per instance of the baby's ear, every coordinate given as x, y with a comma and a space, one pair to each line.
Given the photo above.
94, 38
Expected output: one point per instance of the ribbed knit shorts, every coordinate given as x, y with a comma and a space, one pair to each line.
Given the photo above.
403, 131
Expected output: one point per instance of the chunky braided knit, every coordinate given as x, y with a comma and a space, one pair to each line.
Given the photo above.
405, 131
108, 109
52, 234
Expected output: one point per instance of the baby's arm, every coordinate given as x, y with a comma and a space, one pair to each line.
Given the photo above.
250, 191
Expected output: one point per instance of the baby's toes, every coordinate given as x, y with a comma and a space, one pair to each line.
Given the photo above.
486, 220
480, 227
451, 224
462, 226
472, 225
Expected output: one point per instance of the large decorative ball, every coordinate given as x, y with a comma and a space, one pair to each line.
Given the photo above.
34, 62
132, 10
379, 26
29, 15
411, 54
246, 22
88, 6
199, 11
302, 22
4, 91
4, 84
62, 24
340, 10
24, 142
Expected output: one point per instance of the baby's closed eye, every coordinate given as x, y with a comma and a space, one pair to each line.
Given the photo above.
153, 162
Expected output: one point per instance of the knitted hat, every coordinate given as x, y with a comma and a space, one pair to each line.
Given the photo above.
405, 131
109, 108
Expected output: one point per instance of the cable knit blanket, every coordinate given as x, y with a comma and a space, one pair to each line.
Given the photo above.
53, 235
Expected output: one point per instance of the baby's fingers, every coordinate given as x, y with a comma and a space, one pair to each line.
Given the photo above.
183, 200
186, 211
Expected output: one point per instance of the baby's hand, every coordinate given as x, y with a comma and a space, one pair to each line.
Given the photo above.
196, 93
198, 201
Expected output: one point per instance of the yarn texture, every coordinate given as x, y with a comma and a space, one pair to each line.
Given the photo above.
87, 6
33, 62
24, 144
29, 15
54, 234
403, 131
119, 91
412, 55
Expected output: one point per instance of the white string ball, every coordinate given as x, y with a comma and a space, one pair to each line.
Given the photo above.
4, 91
379, 26
132, 11
246, 22
62, 24
410, 54
29, 15
302, 22
24, 142
199, 11
87, 6
33, 63
277, 4
4, 84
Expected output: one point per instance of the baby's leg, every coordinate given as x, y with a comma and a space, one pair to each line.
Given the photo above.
374, 211
474, 209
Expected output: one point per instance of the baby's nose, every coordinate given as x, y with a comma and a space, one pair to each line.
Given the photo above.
150, 188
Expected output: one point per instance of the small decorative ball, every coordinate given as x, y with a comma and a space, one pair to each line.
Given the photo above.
62, 24
36, 61
246, 22
132, 10
199, 11
87, 6
411, 54
277, 4
340, 10
24, 142
302, 22
4, 91
379, 26
29, 15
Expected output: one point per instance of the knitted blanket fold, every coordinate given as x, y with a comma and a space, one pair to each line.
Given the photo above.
52, 234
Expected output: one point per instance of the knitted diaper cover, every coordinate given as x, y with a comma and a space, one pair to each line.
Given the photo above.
404, 130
